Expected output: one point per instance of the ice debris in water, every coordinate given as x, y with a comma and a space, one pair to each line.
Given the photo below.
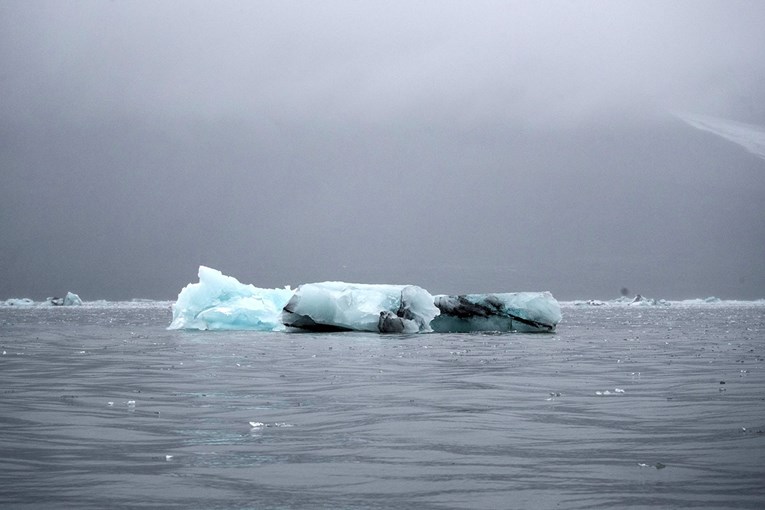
19, 302
71, 299
642, 301
609, 392
222, 302
658, 465
260, 425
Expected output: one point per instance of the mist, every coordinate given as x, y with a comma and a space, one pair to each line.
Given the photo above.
463, 147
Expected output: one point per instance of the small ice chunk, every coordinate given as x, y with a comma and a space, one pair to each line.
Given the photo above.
658, 465
72, 299
609, 392
257, 424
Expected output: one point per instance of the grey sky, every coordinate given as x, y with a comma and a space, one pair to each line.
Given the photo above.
462, 146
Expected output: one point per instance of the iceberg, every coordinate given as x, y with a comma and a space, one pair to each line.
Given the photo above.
340, 306
221, 302
526, 312
71, 299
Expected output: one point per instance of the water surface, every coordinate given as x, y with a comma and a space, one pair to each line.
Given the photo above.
622, 408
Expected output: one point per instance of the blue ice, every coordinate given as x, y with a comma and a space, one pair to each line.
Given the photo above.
222, 302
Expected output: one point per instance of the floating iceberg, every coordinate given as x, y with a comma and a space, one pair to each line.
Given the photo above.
528, 312
339, 306
221, 302
71, 299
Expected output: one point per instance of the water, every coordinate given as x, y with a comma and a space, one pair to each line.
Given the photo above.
102, 407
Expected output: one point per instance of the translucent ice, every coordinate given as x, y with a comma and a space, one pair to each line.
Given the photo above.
221, 302
519, 311
338, 306
72, 299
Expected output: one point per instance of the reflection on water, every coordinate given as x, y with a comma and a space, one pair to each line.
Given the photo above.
621, 408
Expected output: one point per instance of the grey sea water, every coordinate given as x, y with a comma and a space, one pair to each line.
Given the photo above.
645, 407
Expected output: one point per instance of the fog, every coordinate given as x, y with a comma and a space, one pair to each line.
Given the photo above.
461, 146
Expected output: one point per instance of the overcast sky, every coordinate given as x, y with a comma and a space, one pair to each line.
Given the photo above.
465, 146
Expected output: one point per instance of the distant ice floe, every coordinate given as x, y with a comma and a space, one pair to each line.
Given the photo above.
749, 136
19, 302
641, 301
71, 299
222, 302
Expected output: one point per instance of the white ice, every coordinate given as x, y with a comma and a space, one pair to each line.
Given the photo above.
360, 307
19, 302
528, 312
221, 302
641, 301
